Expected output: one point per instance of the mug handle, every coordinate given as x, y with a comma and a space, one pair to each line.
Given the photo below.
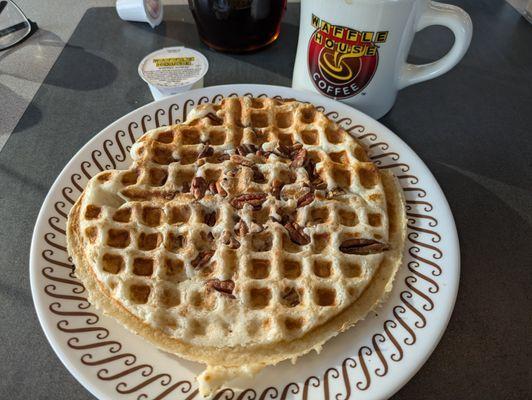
459, 22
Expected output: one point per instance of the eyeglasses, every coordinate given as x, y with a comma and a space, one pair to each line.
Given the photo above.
14, 25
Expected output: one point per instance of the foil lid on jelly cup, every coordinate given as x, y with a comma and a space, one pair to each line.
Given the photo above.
173, 69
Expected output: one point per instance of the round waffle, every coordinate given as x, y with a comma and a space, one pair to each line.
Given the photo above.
250, 234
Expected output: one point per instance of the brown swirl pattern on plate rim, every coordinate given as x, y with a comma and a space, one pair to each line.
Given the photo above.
77, 320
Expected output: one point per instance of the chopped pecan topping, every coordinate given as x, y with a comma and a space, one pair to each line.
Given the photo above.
310, 167
230, 241
217, 188
288, 151
210, 218
362, 246
296, 233
223, 287
257, 175
214, 118
259, 131
306, 199
318, 184
290, 296
202, 259
299, 158
254, 199
263, 153
287, 216
284, 150
207, 151
277, 186
198, 187
241, 229
241, 160
219, 157
296, 147
315, 180
245, 149
220, 189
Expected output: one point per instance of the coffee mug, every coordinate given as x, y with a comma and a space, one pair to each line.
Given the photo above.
355, 51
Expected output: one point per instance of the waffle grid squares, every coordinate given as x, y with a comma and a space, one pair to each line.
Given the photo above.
148, 242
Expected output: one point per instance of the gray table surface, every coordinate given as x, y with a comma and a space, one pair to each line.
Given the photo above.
472, 127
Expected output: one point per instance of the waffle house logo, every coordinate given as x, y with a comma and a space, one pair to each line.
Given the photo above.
342, 60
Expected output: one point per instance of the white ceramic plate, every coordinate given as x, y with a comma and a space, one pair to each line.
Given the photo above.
371, 361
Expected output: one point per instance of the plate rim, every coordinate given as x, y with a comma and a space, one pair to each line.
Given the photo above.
453, 253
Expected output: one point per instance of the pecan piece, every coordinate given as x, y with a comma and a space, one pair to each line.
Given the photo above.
296, 147
277, 186
318, 184
315, 179
289, 150
362, 246
202, 259
214, 118
296, 233
230, 241
290, 296
198, 186
310, 167
220, 189
241, 228
223, 287
257, 175
306, 199
245, 149
220, 157
210, 218
258, 132
217, 188
284, 150
299, 158
207, 151
241, 160
254, 199
263, 153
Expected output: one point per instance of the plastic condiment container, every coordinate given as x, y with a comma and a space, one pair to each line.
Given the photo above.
173, 70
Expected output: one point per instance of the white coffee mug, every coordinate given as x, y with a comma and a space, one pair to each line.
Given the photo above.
355, 50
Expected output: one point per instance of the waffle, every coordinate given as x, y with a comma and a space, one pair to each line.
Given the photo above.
250, 234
